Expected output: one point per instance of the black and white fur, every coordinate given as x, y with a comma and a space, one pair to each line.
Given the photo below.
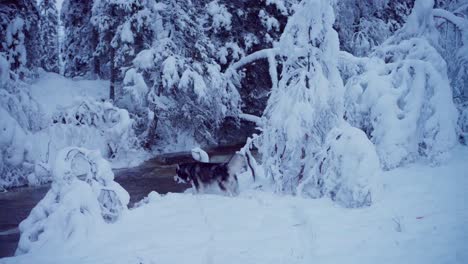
204, 175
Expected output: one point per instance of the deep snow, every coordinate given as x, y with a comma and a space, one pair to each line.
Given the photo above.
53, 91
420, 216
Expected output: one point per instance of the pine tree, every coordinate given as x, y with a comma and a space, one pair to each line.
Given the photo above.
80, 40
19, 23
124, 29
49, 35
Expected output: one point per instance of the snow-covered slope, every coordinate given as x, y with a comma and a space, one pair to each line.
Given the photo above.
52, 90
420, 216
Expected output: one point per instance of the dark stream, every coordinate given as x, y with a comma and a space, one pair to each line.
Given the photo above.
153, 175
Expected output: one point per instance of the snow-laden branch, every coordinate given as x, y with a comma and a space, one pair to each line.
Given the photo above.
261, 54
252, 118
459, 22
461, 8
272, 69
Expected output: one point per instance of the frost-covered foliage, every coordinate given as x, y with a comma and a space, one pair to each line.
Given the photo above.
451, 19
363, 25
404, 85
346, 170
177, 84
96, 125
49, 35
80, 39
28, 147
19, 24
15, 160
19, 115
15, 45
75, 206
123, 29
304, 113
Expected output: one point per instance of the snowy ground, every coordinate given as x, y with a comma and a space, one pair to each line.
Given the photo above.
421, 216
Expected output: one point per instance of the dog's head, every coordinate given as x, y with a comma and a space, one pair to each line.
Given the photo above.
182, 174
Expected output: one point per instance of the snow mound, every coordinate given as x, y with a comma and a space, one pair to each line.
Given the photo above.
347, 172
200, 155
75, 207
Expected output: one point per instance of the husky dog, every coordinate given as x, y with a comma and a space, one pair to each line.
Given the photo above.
202, 175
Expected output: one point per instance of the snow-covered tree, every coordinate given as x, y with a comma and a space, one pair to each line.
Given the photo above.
451, 21
19, 113
107, 15
178, 80
304, 137
49, 35
19, 40
80, 40
405, 85
15, 45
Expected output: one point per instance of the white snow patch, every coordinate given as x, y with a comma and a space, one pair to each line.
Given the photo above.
52, 90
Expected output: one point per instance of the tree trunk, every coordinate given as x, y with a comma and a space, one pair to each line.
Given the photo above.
113, 77
151, 137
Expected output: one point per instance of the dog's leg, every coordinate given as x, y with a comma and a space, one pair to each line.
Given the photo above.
221, 185
196, 184
236, 185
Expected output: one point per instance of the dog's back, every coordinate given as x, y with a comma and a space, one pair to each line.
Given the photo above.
202, 174
205, 172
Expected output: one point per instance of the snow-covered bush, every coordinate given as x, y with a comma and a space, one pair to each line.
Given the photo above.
74, 206
92, 124
347, 168
403, 100
15, 157
19, 116
305, 107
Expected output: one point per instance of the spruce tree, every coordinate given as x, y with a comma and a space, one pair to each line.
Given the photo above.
49, 35
79, 39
